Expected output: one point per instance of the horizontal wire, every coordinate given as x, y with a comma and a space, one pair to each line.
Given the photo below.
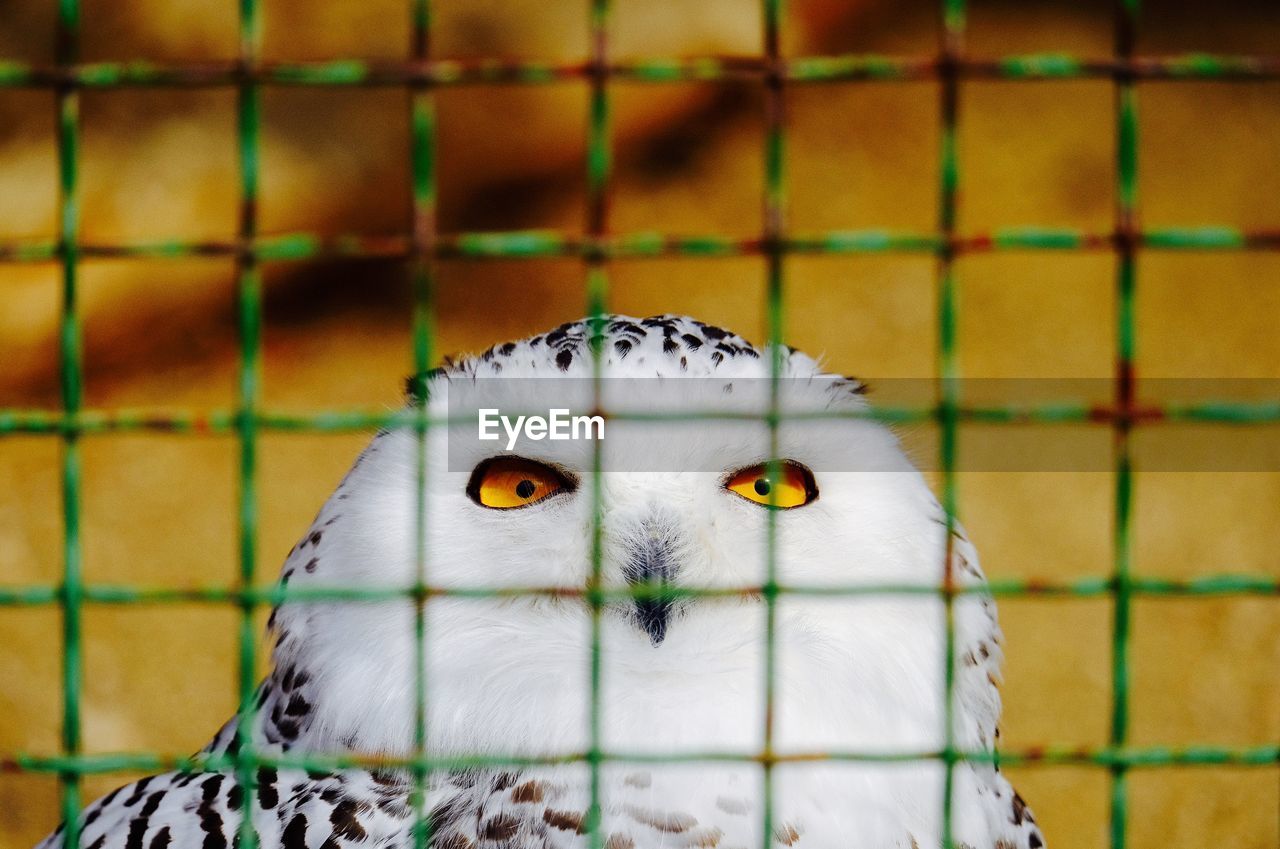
804, 69
223, 421
1106, 756
550, 244
1155, 586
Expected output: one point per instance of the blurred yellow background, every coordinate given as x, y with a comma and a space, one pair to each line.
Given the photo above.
161, 163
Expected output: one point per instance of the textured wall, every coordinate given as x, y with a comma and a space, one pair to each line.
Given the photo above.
160, 509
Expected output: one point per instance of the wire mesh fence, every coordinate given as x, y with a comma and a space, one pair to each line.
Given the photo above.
421, 75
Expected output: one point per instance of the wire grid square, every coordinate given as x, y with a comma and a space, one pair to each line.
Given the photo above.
889, 121
1014, 118
597, 247
502, 156
1204, 147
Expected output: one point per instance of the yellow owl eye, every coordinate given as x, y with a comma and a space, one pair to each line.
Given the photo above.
792, 485
506, 482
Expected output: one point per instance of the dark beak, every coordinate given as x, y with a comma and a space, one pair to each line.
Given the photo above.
651, 567
652, 616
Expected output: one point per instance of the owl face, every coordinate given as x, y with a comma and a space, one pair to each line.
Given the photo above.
682, 524
683, 588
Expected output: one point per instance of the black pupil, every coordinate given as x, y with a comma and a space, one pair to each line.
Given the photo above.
762, 486
525, 488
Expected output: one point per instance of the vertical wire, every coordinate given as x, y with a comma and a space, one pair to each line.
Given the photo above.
953, 30
599, 173
249, 320
1126, 19
423, 178
71, 378
773, 239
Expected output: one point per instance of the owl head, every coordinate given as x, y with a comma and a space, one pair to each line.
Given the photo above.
716, 498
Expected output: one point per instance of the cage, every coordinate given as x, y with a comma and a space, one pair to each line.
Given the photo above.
231, 232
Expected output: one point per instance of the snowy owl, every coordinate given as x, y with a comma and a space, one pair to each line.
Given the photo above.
725, 506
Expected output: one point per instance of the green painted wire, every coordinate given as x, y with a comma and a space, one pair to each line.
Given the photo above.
1126, 343
953, 14
422, 169
599, 168
249, 326
71, 373
597, 293
549, 244
775, 207
1126, 23
801, 70
1151, 757
275, 594
216, 422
